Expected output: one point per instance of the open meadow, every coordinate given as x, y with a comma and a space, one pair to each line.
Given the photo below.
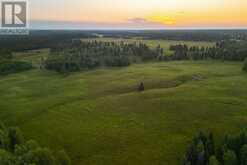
99, 117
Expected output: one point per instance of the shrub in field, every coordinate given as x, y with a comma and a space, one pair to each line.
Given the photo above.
141, 87
245, 65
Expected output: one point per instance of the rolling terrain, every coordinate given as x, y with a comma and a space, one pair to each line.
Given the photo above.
99, 117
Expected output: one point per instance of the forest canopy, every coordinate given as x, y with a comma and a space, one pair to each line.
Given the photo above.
87, 55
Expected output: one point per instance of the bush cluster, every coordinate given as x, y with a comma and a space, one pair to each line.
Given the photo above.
14, 150
231, 151
12, 66
8, 65
224, 50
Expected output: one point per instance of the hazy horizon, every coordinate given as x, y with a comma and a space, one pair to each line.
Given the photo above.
61, 25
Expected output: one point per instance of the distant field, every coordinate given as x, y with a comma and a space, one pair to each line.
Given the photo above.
99, 118
33, 56
154, 43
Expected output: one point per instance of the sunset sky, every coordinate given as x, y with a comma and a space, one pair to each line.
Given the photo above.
160, 14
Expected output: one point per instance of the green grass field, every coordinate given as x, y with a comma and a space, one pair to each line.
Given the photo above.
99, 118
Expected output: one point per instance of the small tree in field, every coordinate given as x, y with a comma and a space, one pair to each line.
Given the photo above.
245, 65
141, 87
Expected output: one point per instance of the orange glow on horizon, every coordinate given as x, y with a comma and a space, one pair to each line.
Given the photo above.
170, 13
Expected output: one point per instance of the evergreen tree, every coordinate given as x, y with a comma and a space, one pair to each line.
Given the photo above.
213, 161
63, 158
243, 155
211, 145
15, 137
230, 158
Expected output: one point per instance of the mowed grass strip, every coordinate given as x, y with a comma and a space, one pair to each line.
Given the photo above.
99, 117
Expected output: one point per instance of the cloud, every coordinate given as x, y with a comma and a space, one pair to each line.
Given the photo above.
144, 21
132, 23
180, 13
138, 20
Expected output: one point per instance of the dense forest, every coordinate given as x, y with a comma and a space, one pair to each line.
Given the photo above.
14, 150
86, 55
231, 151
231, 50
40, 39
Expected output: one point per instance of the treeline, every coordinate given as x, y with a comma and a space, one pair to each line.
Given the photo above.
12, 66
14, 150
9, 65
39, 39
177, 35
231, 151
49, 38
78, 55
86, 55
224, 50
